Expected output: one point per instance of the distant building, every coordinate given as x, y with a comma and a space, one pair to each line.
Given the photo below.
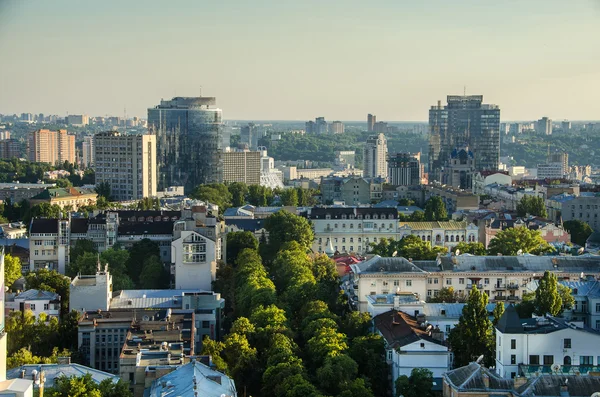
454, 199
78, 120
584, 208
371, 120
4, 135
352, 190
375, 157
21, 191
565, 126
87, 152
345, 158
241, 166
127, 163
188, 138
460, 170
9, 149
337, 127
380, 127
544, 126
27, 118
484, 178
404, 169
70, 197
319, 126
249, 136
45, 146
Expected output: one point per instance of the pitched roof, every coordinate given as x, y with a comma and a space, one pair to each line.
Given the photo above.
509, 322
135, 228
550, 385
571, 264
400, 329
42, 225
35, 294
79, 225
377, 264
250, 225
53, 371
471, 378
449, 225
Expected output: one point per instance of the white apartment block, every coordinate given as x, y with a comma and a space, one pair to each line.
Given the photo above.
91, 292
544, 345
38, 301
502, 278
87, 152
375, 157
193, 261
443, 234
49, 244
127, 163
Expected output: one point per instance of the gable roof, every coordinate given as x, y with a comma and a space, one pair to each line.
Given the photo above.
471, 378
550, 385
400, 329
193, 377
509, 322
377, 264
36, 294
42, 225
53, 371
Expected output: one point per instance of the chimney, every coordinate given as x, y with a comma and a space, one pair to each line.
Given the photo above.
22, 374
437, 334
519, 381
486, 380
63, 360
396, 302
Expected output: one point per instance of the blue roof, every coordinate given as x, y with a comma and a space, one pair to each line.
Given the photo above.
386, 203
181, 382
34, 295
53, 371
238, 212
251, 225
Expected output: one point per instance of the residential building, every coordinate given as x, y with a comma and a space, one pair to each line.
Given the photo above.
194, 261
249, 136
65, 198
45, 146
345, 158
439, 233
592, 244
459, 170
38, 301
17, 250
194, 378
188, 135
54, 371
351, 229
337, 127
409, 346
319, 126
10, 149
561, 158
544, 126
404, 169
465, 120
371, 120
4, 134
455, 199
550, 232
88, 154
91, 292
583, 208
16, 191
353, 190
78, 120
380, 127
550, 171
565, 126
484, 178
127, 163
241, 166
544, 345
49, 244
502, 278
375, 157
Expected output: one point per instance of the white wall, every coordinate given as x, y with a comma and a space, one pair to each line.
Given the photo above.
91, 297
194, 275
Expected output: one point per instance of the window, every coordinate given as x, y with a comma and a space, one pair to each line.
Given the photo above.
32, 306
46, 306
548, 360
205, 324
447, 329
513, 375
409, 283
586, 360
597, 307
567, 343
461, 280
429, 292
486, 280
448, 281
37, 242
422, 345
598, 324
513, 344
534, 360
429, 281
396, 283
389, 355
513, 359
435, 281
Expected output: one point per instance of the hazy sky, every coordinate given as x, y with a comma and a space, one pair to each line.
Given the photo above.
298, 59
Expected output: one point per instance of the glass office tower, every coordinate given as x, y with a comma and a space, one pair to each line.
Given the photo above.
188, 141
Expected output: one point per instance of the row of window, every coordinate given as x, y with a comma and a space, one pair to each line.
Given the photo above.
359, 216
367, 226
45, 252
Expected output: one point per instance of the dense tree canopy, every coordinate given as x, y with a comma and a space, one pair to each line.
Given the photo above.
53, 281
12, 269
237, 241
470, 248
284, 227
418, 384
579, 231
410, 246
435, 209
512, 240
531, 205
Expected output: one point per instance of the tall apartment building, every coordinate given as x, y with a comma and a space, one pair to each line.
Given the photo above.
337, 127
544, 126
380, 127
584, 208
561, 158
127, 163
565, 126
249, 136
4, 135
189, 136
87, 153
465, 120
404, 169
78, 120
375, 157
319, 126
45, 146
371, 120
9, 148
241, 166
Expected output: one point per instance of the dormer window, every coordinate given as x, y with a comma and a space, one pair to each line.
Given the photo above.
344, 216
367, 216
391, 216
360, 216
375, 216
327, 216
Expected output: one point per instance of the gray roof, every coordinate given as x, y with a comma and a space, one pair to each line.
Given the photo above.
451, 310
509, 322
549, 385
152, 298
524, 263
53, 371
377, 264
209, 383
578, 288
34, 295
470, 377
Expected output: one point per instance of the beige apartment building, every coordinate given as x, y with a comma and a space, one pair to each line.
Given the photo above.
242, 166
45, 146
127, 163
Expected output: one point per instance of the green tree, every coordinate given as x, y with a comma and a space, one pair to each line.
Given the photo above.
259, 196
214, 193
336, 374
435, 209
526, 307
512, 240
84, 264
12, 269
446, 295
547, 298
498, 312
103, 190
531, 205
81, 246
83, 386
284, 227
566, 295
473, 335
238, 241
470, 248
417, 216
406, 202
238, 191
419, 384
116, 259
289, 197
108, 388
53, 281
579, 231
154, 275
214, 348
368, 352
138, 254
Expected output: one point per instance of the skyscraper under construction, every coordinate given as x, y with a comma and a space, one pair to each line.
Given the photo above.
188, 141
464, 121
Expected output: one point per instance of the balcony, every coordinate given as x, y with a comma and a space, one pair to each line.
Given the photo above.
479, 286
499, 287
535, 370
500, 298
513, 298
512, 286
329, 229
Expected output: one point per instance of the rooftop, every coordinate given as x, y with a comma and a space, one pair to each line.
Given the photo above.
42, 225
449, 225
34, 294
400, 329
377, 264
53, 371
156, 299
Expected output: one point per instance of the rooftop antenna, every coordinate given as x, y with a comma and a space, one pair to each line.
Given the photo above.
465, 90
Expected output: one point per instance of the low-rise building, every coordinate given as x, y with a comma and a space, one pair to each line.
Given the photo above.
55, 371
66, 198
12, 231
91, 292
38, 301
409, 345
15, 191
455, 199
583, 208
438, 233
483, 178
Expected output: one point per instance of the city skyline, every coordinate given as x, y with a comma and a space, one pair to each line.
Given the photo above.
259, 58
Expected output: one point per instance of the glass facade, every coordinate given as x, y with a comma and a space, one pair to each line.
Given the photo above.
188, 141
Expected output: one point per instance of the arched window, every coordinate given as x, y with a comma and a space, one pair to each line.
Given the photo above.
438, 238
335, 226
462, 237
428, 238
567, 360
451, 239
343, 225
446, 238
423, 238
391, 225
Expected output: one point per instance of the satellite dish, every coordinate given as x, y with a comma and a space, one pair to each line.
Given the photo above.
457, 253
479, 359
395, 253
519, 252
145, 318
597, 394
556, 367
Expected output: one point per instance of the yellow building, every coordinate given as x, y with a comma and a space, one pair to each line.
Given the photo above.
71, 197
45, 146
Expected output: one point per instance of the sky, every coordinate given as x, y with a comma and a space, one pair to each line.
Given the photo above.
299, 59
